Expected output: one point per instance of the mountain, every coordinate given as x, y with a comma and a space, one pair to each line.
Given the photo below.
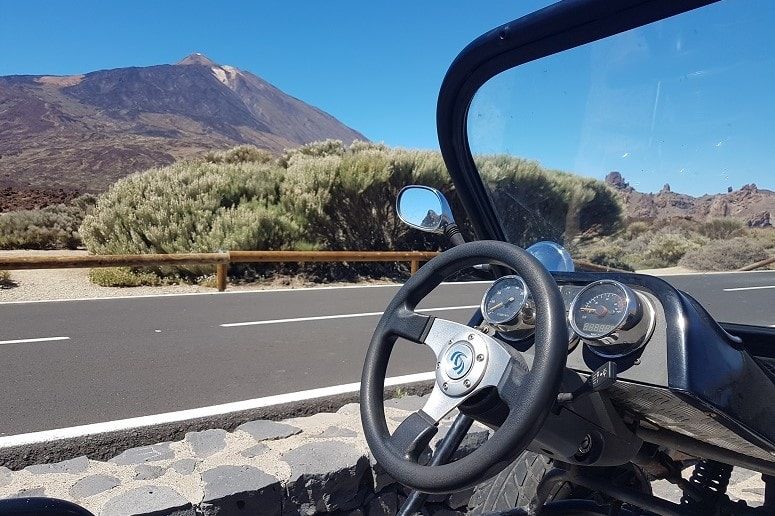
83, 132
749, 204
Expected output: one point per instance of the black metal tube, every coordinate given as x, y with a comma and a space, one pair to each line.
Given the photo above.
648, 502
444, 452
703, 450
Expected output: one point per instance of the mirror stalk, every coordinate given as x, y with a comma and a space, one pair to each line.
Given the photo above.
452, 232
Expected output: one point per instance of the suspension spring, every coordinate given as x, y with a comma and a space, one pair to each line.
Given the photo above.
709, 480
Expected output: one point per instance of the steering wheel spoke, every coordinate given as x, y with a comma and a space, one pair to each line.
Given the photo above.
408, 324
413, 435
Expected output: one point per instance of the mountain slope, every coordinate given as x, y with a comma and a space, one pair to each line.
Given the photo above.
84, 132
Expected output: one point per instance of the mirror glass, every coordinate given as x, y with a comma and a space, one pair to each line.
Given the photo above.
421, 207
553, 256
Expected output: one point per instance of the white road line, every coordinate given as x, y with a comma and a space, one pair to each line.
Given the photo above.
75, 432
340, 316
736, 289
231, 292
25, 341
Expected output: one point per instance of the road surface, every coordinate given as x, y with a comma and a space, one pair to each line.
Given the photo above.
70, 363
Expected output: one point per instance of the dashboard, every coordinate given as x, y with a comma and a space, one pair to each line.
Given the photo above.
676, 367
609, 317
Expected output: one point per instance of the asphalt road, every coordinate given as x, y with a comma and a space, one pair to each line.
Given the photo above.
79, 362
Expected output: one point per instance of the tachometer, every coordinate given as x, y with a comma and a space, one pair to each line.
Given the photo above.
506, 306
603, 308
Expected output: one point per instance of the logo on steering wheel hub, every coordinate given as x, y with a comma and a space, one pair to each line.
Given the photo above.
458, 360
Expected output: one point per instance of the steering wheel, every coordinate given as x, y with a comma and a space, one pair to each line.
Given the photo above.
467, 362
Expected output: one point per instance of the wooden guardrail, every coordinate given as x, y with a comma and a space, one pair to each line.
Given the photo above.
223, 259
758, 265
220, 260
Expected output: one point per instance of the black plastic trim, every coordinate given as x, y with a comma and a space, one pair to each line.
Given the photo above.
705, 363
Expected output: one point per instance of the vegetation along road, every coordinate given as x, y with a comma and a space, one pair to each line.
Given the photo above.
70, 363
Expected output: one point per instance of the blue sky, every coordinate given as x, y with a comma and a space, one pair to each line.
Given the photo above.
689, 101
674, 103
377, 66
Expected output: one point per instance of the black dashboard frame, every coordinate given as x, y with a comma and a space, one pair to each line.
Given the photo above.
708, 367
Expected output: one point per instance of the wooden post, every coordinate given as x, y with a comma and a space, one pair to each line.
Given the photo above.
220, 276
413, 266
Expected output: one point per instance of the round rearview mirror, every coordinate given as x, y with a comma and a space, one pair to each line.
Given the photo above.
423, 208
553, 256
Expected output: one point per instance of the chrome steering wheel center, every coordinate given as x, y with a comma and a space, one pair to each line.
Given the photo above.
458, 360
462, 362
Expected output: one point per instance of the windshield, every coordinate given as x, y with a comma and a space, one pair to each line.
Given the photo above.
649, 151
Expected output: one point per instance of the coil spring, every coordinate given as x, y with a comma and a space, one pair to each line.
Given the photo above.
709, 480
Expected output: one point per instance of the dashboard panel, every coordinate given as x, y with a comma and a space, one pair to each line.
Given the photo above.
687, 375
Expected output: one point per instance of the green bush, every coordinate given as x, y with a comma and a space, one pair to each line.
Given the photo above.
725, 255
192, 207
666, 249
52, 227
721, 229
324, 195
122, 277
241, 154
636, 229
547, 204
608, 255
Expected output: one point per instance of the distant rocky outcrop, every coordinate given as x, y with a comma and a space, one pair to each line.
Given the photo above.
83, 132
749, 204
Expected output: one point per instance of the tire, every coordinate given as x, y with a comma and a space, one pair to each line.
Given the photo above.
516, 487
520, 487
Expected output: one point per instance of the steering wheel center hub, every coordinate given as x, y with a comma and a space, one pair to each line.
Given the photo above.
462, 363
458, 360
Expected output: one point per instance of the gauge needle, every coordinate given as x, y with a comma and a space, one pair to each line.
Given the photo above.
502, 303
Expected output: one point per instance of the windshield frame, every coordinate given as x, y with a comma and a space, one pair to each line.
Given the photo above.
553, 29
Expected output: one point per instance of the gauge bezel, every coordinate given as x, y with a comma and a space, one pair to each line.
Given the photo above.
629, 317
517, 312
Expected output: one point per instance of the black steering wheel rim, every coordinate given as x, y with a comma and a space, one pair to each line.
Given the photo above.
538, 390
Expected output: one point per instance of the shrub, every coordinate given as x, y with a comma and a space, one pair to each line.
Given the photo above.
324, 195
608, 255
666, 249
241, 154
548, 204
721, 229
122, 277
348, 200
765, 236
318, 150
192, 207
725, 255
636, 229
52, 227
5, 279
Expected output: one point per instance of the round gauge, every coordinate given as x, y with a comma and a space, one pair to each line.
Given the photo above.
602, 308
503, 301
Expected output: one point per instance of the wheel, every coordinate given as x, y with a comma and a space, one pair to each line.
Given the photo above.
521, 486
516, 487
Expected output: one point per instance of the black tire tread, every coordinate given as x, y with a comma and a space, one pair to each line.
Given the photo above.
514, 487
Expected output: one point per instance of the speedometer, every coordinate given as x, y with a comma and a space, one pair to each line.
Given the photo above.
603, 308
506, 305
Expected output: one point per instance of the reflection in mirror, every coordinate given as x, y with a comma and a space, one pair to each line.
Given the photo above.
423, 208
553, 256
